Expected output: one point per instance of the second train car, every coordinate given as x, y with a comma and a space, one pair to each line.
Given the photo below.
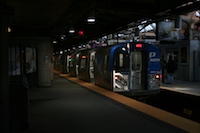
132, 68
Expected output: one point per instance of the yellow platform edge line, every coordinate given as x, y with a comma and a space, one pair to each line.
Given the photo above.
172, 119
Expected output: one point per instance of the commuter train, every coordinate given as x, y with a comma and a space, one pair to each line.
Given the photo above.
131, 68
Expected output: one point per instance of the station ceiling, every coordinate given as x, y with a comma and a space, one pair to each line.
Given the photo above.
55, 17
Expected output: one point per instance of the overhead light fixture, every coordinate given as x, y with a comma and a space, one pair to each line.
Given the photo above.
9, 29
54, 42
167, 20
71, 31
91, 20
63, 37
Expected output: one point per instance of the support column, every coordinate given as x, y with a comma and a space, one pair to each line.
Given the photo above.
157, 31
5, 11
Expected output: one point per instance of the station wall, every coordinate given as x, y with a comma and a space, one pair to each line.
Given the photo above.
44, 52
186, 54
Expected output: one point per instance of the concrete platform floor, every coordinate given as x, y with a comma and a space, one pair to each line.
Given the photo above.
67, 107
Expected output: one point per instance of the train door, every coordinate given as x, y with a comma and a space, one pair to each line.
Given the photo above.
77, 65
83, 68
138, 68
91, 65
67, 63
121, 72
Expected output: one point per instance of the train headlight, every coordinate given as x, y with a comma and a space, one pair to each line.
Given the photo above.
158, 76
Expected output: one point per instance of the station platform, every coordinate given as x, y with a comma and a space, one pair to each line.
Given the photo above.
71, 105
186, 87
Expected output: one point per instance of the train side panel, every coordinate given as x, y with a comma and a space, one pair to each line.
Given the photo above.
102, 71
86, 65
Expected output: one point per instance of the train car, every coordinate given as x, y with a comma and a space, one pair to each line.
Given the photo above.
132, 68
86, 65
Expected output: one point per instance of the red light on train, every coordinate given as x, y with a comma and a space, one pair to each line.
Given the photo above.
138, 45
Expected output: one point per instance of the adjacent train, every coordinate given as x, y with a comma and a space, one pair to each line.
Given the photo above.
131, 68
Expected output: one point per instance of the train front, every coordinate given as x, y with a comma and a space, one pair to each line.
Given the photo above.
136, 69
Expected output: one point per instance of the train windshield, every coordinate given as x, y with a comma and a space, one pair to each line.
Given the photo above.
121, 62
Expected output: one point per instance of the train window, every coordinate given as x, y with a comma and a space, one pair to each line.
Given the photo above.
71, 62
77, 58
107, 63
121, 61
83, 63
92, 58
136, 61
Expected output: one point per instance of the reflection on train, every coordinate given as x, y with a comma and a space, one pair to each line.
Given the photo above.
130, 68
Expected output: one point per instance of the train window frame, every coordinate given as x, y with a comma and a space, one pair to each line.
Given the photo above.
119, 61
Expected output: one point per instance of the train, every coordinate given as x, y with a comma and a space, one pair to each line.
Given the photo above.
130, 68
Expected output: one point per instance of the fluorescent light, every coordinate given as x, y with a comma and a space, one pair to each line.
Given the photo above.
71, 31
54, 42
91, 20
9, 29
